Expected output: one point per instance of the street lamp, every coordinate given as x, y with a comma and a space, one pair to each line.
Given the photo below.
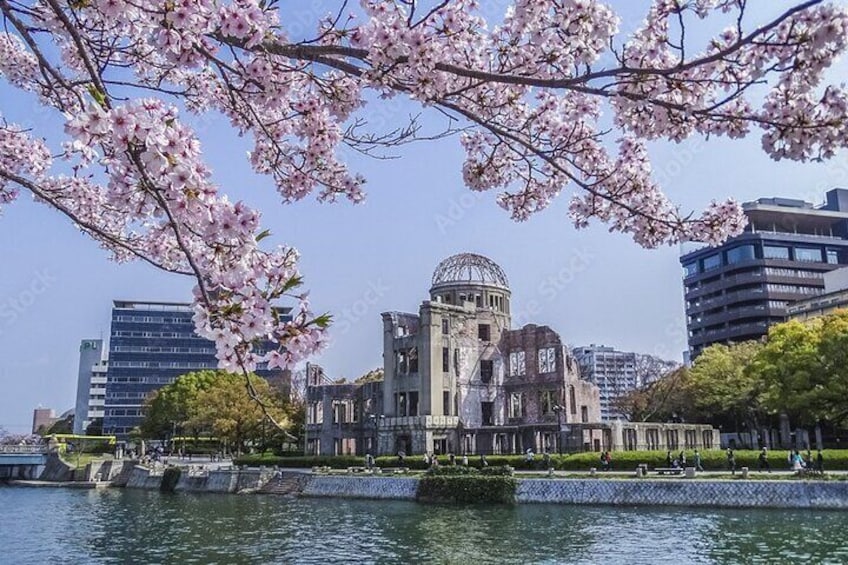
558, 410
376, 419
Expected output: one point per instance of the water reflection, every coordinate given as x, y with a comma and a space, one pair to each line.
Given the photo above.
65, 526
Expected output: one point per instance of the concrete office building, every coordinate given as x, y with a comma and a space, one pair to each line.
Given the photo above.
734, 292
91, 384
835, 297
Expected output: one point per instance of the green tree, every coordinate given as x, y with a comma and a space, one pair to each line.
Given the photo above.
170, 408
804, 368
723, 388
832, 398
665, 399
227, 410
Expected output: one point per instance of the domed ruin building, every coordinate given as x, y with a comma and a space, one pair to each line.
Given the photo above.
458, 379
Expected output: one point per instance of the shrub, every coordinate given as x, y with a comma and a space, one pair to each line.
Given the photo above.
170, 478
467, 489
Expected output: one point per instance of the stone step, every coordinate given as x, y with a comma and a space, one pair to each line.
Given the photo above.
288, 484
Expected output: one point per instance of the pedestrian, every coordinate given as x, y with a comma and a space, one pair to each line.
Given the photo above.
401, 456
697, 460
452, 459
668, 459
483, 461
369, 461
682, 459
763, 462
820, 463
797, 462
731, 461
547, 459
609, 461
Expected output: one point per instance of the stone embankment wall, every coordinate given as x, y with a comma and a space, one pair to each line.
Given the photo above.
360, 487
682, 492
630, 492
222, 480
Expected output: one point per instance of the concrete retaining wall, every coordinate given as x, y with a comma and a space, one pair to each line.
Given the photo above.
223, 480
140, 477
360, 487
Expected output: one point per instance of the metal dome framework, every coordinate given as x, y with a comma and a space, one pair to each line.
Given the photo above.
469, 268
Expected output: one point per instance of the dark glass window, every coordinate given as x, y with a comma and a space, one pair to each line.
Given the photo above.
808, 254
833, 256
712, 262
741, 253
691, 268
775, 252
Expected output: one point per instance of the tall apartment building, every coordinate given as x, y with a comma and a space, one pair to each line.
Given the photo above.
91, 384
734, 292
150, 345
612, 371
616, 373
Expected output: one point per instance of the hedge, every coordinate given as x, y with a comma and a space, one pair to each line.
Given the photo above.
711, 460
475, 488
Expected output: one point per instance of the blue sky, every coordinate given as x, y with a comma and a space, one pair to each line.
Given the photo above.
56, 286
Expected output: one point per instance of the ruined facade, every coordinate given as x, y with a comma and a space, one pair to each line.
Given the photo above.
457, 379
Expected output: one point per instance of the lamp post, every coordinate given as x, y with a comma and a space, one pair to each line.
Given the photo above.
376, 419
558, 410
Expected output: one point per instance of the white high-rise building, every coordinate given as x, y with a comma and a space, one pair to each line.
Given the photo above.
91, 384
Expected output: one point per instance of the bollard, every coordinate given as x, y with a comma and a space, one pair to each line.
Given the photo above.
744, 472
592, 471
689, 472
551, 472
639, 472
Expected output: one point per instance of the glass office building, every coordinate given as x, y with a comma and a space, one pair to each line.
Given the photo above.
734, 292
151, 343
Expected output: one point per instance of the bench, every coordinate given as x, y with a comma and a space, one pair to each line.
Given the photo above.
669, 470
395, 470
357, 469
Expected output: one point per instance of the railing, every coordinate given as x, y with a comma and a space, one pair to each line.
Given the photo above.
18, 449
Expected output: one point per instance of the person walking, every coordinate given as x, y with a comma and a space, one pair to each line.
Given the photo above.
697, 461
731, 461
820, 463
668, 459
763, 462
483, 461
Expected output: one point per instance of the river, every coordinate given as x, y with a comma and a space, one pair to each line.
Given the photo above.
42, 525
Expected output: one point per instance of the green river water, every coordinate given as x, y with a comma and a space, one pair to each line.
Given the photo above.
126, 526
